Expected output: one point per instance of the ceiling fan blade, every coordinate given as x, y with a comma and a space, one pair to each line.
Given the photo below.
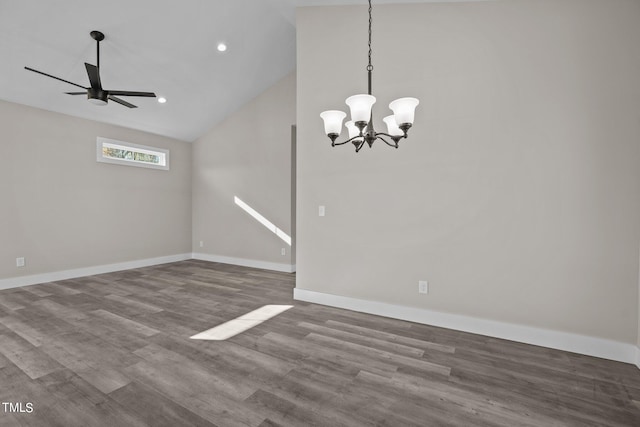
76, 93
54, 77
130, 93
94, 76
121, 101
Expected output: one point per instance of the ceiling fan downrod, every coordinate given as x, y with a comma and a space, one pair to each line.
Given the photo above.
98, 37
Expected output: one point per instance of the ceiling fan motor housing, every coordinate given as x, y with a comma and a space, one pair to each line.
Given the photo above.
97, 96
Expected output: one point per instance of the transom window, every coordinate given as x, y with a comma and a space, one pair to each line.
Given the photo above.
128, 154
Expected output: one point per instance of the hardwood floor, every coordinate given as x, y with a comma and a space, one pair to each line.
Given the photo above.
114, 350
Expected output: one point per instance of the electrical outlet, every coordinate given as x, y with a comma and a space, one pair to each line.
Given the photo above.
283, 251
423, 287
321, 210
20, 262
201, 243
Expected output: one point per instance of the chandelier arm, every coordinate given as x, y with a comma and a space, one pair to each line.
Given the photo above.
391, 136
359, 147
345, 142
379, 136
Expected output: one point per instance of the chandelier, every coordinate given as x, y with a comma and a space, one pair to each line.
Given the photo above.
360, 127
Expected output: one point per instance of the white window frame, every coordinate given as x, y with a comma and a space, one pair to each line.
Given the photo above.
114, 143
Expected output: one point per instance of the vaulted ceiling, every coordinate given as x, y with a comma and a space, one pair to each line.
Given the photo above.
164, 46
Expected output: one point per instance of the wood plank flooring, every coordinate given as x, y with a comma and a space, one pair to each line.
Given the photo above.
114, 350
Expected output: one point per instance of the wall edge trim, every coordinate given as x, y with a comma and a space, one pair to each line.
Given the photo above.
575, 343
265, 265
15, 282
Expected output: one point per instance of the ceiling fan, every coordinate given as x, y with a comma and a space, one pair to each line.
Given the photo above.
95, 93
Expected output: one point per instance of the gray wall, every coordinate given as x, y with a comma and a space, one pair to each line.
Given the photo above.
247, 156
61, 210
517, 194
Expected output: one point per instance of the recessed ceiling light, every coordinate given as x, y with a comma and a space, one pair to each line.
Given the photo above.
222, 47
162, 100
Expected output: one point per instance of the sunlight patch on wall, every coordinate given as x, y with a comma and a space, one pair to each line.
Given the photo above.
262, 220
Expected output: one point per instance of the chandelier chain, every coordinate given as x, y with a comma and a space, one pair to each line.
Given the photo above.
369, 67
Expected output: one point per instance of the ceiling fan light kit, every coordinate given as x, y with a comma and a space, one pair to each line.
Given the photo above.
95, 93
360, 127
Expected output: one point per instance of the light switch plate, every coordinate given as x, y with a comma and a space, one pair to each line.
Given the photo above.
423, 287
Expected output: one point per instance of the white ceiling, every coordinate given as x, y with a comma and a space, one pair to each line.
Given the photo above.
164, 46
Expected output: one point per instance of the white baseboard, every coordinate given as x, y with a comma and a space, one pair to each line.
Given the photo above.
285, 268
582, 344
35, 279
15, 282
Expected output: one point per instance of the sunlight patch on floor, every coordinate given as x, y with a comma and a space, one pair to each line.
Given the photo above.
240, 324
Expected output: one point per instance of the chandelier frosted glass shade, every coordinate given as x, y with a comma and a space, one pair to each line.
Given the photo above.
404, 110
333, 122
360, 106
392, 126
352, 129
